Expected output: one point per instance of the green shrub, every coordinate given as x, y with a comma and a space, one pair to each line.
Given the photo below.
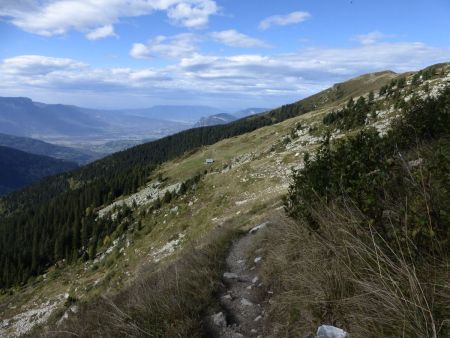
368, 245
373, 171
352, 116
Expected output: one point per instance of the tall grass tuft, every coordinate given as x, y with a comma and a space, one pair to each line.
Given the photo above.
348, 276
163, 302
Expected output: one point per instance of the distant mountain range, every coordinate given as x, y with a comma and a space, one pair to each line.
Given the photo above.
184, 114
93, 133
213, 120
21, 116
19, 169
224, 118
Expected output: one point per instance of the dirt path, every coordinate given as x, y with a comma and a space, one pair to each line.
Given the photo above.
242, 314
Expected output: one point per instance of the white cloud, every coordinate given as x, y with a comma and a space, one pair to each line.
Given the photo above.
185, 45
101, 32
235, 39
177, 46
140, 51
284, 20
370, 38
192, 14
238, 78
29, 65
54, 17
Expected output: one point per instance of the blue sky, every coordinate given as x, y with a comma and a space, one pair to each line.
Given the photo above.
225, 53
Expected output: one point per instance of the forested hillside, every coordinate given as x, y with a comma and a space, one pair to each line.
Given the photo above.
19, 169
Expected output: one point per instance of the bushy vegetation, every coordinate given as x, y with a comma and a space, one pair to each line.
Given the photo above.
370, 170
425, 74
352, 115
369, 249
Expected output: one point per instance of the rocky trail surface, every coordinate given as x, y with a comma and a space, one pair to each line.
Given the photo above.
242, 312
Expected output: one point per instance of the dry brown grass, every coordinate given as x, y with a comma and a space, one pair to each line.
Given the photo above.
163, 302
348, 276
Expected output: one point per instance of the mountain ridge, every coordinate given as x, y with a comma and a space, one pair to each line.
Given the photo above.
254, 160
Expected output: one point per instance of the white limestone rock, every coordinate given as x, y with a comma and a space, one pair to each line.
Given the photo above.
258, 227
219, 319
230, 275
328, 331
246, 302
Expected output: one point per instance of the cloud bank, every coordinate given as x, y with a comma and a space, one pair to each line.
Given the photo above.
193, 75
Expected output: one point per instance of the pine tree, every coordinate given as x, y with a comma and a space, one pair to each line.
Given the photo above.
167, 197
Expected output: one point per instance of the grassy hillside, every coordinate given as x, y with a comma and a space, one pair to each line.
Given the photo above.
152, 227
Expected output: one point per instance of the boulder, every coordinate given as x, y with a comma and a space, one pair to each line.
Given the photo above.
328, 331
227, 297
219, 319
230, 275
258, 227
246, 302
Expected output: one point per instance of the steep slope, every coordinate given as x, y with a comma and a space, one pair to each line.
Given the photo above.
131, 163
19, 169
38, 147
123, 173
242, 188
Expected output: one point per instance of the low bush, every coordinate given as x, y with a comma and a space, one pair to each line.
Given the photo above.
368, 245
